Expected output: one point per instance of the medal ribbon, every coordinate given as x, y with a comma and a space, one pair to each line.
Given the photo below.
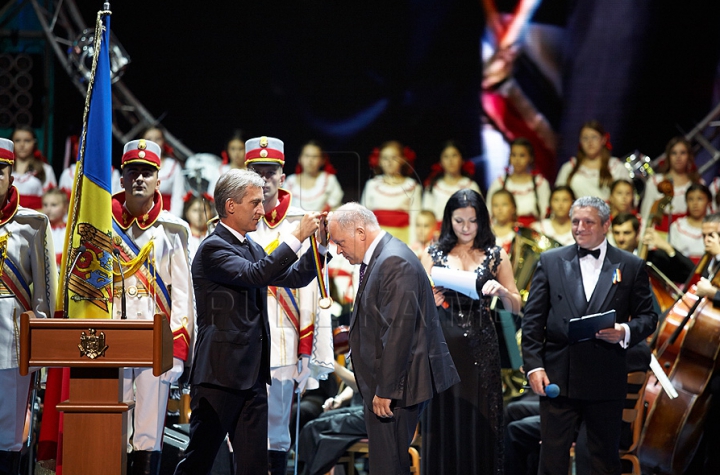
320, 269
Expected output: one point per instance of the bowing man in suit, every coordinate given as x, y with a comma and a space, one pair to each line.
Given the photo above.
398, 349
231, 366
570, 282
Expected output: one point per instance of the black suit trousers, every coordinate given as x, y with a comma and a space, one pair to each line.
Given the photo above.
522, 436
218, 411
560, 420
389, 439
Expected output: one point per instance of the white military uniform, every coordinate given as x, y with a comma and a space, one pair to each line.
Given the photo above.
162, 241
29, 282
292, 326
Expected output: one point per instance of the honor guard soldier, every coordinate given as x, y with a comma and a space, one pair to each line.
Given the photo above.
28, 281
152, 249
291, 312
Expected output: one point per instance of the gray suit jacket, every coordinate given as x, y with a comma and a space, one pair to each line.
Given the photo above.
398, 348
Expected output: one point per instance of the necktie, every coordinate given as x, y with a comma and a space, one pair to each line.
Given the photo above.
582, 252
246, 243
363, 267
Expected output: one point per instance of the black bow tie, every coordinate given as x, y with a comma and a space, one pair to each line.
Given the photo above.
245, 243
582, 252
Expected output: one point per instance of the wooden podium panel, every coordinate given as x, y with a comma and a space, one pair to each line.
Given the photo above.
95, 423
130, 343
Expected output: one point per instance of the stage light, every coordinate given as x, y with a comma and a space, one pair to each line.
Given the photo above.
83, 48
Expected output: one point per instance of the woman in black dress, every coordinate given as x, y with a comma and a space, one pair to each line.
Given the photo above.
462, 427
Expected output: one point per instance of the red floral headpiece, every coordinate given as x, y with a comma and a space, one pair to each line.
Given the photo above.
468, 168
191, 194
408, 154
167, 150
327, 168
37, 154
608, 145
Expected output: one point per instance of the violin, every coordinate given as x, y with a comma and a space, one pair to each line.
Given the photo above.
341, 340
656, 213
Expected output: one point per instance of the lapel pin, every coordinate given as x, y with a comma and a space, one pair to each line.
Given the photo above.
617, 276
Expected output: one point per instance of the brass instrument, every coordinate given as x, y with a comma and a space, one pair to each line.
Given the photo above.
525, 254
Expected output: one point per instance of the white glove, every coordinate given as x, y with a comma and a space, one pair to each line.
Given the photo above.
303, 372
173, 374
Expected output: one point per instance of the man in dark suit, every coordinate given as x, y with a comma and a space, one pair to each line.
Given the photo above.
398, 350
570, 282
231, 366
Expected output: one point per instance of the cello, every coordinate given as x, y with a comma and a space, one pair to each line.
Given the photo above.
673, 427
663, 292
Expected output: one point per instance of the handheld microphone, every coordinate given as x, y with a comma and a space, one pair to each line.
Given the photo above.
552, 390
80, 251
123, 303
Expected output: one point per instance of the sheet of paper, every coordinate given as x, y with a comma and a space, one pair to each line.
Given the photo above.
458, 280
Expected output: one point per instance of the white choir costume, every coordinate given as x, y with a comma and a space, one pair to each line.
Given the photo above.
28, 282
531, 199
153, 251
673, 211
586, 181
58, 238
325, 194
299, 328
67, 180
30, 190
545, 227
505, 241
395, 206
715, 190
686, 239
30, 187
172, 185
435, 198
50, 179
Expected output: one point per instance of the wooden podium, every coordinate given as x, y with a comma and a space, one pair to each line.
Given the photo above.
95, 425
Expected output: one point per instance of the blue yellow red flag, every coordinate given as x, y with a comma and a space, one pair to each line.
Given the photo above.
87, 261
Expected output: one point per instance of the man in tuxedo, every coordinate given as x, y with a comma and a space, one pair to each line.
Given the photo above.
398, 350
231, 366
570, 282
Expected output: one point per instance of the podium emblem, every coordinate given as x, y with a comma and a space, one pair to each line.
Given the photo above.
92, 345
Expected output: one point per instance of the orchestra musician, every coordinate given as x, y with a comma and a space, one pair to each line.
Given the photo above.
707, 458
668, 260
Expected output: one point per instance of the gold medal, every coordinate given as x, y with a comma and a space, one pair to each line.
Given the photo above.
325, 303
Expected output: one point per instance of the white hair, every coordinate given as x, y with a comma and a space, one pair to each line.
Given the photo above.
350, 215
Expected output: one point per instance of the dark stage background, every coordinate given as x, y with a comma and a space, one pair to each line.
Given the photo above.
354, 74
